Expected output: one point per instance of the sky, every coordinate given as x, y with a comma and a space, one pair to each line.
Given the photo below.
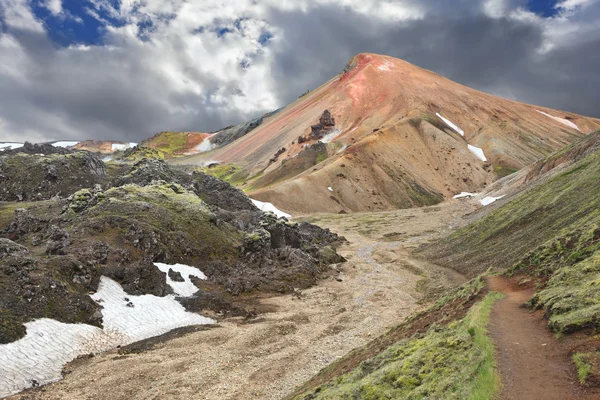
127, 69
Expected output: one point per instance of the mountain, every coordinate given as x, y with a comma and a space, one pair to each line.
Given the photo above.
542, 243
392, 135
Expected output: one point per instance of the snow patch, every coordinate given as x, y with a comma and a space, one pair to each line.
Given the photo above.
107, 159
40, 356
462, 195
478, 152
122, 146
185, 288
43, 352
140, 317
331, 135
268, 207
65, 143
205, 146
385, 66
451, 125
563, 121
489, 200
10, 145
330, 189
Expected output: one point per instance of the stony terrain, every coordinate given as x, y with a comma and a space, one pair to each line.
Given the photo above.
295, 335
93, 221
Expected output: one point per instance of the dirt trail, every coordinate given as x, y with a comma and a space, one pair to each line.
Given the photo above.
377, 288
533, 364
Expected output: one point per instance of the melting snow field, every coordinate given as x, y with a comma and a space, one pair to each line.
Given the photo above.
185, 288
478, 152
462, 195
268, 207
205, 146
10, 145
561, 120
122, 146
331, 135
64, 144
451, 125
40, 356
489, 200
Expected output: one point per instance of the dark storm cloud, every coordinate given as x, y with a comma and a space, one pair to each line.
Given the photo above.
131, 89
494, 55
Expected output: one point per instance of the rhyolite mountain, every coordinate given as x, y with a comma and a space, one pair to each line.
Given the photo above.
392, 135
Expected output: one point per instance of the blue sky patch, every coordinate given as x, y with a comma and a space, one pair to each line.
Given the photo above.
75, 25
544, 8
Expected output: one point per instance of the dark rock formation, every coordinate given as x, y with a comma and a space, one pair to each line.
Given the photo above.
53, 253
27, 177
325, 125
276, 155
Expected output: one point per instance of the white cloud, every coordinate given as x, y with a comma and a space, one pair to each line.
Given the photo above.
54, 6
179, 73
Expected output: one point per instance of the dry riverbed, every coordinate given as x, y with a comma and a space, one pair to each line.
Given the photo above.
268, 357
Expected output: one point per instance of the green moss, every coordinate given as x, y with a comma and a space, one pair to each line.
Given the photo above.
11, 327
169, 144
448, 362
179, 219
229, 173
583, 368
502, 171
566, 202
321, 156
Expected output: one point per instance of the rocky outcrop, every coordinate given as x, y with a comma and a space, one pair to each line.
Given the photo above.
30, 177
38, 148
52, 256
326, 124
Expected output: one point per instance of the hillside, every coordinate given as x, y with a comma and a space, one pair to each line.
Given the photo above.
393, 136
480, 342
96, 256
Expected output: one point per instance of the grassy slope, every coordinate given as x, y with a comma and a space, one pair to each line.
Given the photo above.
567, 201
550, 232
450, 359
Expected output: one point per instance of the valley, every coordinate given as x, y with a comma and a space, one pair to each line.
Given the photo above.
389, 234
295, 335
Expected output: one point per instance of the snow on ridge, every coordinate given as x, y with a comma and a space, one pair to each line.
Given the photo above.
10, 145
122, 146
561, 120
65, 143
478, 152
205, 146
185, 288
489, 200
451, 125
269, 207
462, 195
40, 356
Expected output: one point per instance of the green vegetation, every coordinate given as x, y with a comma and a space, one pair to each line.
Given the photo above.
565, 203
502, 171
583, 368
448, 362
169, 143
229, 173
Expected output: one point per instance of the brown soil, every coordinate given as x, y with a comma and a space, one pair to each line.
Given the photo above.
533, 364
268, 357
